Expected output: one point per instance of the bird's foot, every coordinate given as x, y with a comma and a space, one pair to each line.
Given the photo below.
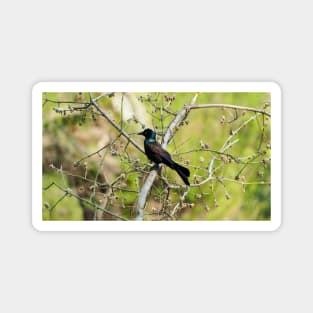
155, 167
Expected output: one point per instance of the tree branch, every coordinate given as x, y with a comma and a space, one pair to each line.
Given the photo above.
116, 126
229, 106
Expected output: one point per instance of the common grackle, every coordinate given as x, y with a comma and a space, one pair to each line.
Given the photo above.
157, 154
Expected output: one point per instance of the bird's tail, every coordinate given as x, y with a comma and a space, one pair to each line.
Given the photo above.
183, 172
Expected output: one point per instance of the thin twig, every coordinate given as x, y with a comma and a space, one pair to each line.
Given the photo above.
229, 106
69, 192
76, 163
182, 198
116, 126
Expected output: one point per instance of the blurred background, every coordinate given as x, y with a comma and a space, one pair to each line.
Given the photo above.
90, 170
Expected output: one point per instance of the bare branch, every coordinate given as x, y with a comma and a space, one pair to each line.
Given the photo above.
182, 198
116, 126
229, 106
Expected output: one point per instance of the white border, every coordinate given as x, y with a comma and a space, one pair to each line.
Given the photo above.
271, 225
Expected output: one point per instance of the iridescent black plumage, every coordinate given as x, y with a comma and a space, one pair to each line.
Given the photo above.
157, 154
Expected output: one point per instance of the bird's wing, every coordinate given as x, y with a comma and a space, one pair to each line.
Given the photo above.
157, 154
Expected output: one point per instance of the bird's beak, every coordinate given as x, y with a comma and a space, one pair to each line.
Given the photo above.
140, 133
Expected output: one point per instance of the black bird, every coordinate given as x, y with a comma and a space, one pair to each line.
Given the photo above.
157, 154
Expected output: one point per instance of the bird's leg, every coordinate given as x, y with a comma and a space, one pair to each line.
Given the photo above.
155, 167
159, 169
